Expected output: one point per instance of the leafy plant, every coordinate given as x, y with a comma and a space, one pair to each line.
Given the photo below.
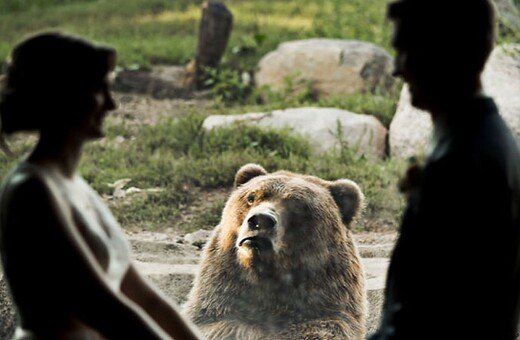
228, 86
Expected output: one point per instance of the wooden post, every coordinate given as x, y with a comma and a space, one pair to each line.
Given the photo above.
215, 28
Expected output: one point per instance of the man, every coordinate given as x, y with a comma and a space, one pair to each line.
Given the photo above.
454, 272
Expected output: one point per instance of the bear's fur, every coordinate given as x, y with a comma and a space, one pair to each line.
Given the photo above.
282, 263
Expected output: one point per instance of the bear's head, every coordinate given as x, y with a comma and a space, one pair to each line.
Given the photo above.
282, 262
282, 223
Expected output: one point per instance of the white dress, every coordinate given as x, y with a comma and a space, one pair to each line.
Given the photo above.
85, 209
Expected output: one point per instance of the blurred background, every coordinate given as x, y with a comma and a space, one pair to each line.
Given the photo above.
158, 167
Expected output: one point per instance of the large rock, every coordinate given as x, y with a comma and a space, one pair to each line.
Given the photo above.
326, 128
410, 129
329, 66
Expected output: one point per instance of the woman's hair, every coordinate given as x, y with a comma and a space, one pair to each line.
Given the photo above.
48, 78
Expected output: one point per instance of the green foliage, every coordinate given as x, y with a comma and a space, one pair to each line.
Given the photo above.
378, 104
227, 85
176, 155
508, 32
353, 19
24, 5
210, 217
144, 32
377, 180
176, 136
17, 147
176, 159
381, 106
153, 211
265, 142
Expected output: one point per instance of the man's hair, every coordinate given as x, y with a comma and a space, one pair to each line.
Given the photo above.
461, 30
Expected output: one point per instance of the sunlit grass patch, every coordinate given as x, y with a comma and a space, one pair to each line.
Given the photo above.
191, 15
179, 158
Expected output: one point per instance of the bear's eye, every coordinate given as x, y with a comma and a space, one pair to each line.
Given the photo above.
251, 198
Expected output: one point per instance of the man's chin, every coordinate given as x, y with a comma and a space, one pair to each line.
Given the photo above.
418, 102
96, 134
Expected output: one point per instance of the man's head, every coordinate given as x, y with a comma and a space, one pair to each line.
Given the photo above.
442, 47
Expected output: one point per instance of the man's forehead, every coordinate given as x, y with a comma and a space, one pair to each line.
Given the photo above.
404, 34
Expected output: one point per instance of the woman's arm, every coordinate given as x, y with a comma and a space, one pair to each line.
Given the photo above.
153, 301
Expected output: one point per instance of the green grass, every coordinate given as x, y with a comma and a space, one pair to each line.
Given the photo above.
152, 31
146, 32
176, 155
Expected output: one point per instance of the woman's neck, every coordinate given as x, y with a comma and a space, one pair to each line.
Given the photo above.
60, 151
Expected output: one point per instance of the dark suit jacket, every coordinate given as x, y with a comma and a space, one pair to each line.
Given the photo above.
454, 272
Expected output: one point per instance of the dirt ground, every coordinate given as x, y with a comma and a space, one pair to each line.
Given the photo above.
169, 246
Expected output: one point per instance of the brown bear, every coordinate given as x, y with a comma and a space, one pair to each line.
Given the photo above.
282, 263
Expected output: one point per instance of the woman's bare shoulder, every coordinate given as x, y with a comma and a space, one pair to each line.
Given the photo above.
29, 192
26, 180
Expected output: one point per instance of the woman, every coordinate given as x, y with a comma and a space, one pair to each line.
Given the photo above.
66, 261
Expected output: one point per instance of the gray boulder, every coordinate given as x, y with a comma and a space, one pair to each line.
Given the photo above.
328, 66
325, 128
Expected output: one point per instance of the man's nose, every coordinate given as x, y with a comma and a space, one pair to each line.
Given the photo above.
110, 103
399, 64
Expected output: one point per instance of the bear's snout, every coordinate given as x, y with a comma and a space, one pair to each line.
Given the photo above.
258, 228
261, 221
262, 218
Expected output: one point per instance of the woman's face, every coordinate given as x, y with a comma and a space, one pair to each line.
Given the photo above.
91, 127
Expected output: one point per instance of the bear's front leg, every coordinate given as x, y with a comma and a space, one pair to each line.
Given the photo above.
233, 330
323, 330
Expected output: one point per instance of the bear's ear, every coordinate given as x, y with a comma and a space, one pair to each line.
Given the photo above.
349, 198
247, 172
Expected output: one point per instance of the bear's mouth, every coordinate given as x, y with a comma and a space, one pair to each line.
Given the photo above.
256, 242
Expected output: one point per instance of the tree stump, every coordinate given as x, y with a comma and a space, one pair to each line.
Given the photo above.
215, 28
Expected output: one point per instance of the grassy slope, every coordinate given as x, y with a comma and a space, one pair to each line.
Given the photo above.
175, 155
149, 31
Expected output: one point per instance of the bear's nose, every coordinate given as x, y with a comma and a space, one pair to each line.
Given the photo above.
261, 221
